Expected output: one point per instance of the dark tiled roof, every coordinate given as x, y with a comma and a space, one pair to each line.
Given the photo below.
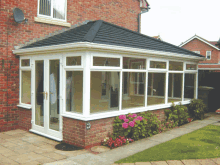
106, 33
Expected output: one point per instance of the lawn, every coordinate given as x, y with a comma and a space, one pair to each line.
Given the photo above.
199, 144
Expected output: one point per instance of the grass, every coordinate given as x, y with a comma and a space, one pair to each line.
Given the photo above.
199, 144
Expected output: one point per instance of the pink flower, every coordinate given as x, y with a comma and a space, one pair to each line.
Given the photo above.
125, 125
126, 120
135, 120
139, 118
132, 123
134, 115
122, 117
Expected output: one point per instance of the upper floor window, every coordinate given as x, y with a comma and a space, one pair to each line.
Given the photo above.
197, 52
55, 9
208, 55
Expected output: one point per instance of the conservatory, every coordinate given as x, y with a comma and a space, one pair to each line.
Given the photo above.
98, 71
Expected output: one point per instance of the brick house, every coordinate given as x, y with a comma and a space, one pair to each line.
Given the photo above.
67, 78
209, 49
209, 69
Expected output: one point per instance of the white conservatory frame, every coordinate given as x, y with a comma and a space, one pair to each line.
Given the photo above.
88, 50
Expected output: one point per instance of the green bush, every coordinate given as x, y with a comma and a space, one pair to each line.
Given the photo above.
177, 113
197, 109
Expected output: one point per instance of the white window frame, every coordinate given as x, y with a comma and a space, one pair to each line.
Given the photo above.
208, 51
51, 17
24, 68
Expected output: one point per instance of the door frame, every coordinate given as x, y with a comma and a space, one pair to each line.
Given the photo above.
46, 131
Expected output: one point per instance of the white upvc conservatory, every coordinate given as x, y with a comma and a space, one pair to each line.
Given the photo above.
89, 81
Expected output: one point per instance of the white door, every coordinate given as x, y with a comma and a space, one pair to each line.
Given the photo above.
46, 118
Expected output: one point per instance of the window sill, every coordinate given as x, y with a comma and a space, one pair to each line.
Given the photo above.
26, 106
50, 21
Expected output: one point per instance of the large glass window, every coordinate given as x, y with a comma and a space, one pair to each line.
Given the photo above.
175, 87
156, 88
157, 64
26, 87
73, 61
191, 67
74, 91
134, 63
105, 87
103, 61
53, 8
175, 65
189, 86
134, 89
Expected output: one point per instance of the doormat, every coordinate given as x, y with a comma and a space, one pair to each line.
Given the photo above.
67, 147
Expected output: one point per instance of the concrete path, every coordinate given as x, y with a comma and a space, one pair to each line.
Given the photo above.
109, 157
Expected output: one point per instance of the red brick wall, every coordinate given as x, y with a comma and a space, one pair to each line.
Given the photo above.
123, 13
75, 133
24, 120
197, 45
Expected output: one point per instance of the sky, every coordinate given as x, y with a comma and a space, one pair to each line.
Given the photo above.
178, 20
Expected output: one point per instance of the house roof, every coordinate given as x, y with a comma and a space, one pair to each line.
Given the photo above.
101, 32
210, 43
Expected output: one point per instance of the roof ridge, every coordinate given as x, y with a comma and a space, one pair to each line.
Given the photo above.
92, 32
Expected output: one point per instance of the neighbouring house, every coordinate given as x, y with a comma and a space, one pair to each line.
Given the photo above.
209, 69
69, 84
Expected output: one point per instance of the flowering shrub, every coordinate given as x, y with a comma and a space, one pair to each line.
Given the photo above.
119, 141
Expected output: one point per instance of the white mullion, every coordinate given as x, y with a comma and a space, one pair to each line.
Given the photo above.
166, 84
146, 88
120, 93
86, 85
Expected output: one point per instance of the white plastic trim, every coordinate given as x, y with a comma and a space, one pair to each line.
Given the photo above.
26, 106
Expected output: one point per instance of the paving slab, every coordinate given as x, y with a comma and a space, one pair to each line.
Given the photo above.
159, 163
179, 131
206, 161
100, 149
142, 163
63, 162
4, 160
190, 162
55, 156
174, 162
216, 160
127, 164
163, 137
31, 163
71, 153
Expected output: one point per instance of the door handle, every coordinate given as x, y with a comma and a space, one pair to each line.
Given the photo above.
43, 94
46, 95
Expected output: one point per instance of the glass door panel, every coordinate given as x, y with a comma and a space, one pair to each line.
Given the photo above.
39, 94
54, 111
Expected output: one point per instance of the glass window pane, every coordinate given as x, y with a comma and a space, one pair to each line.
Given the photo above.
175, 87
54, 90
59, 9
134, 63
39, 93
175, 65
156, 64
156, 88
25, 62
73, 61
191, 67
189, 86
45, 7
74, 91
134, 82
26, 87
103, 61
104, 91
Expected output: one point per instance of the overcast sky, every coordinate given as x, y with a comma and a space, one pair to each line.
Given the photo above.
178, 20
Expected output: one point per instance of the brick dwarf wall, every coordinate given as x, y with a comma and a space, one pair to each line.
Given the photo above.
197, 45
123, 13
24, 120
75, 133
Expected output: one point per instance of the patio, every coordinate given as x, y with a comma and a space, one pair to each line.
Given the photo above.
22, 147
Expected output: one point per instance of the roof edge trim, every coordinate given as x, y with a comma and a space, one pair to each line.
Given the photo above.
87, 45
199, 38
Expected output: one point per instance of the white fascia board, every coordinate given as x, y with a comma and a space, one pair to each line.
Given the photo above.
103, 47
208, 68
197, 37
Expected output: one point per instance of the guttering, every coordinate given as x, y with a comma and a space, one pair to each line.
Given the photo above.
101, 47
